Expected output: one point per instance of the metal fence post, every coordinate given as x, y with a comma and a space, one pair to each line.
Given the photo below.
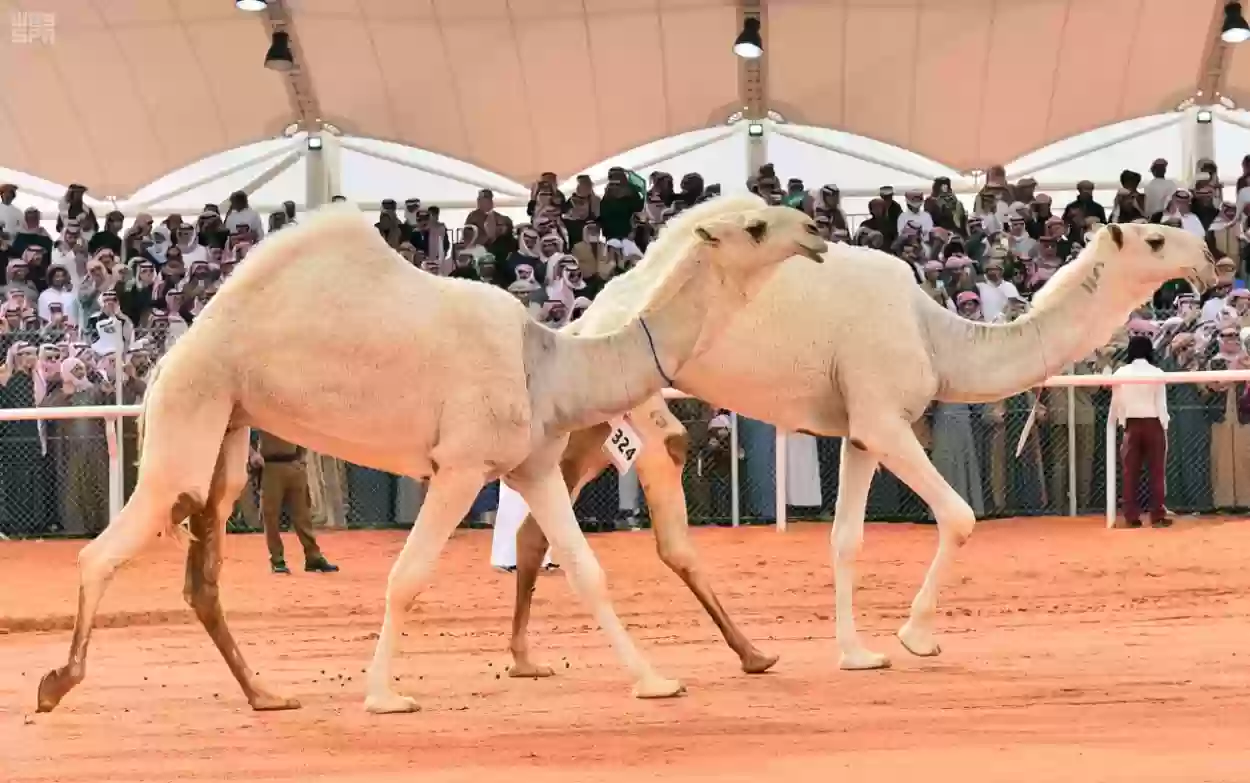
779, 479
117, 467
1072, 451
735, 496
1109, 458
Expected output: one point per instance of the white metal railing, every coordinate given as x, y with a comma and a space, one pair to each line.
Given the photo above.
1059, 381
115, 413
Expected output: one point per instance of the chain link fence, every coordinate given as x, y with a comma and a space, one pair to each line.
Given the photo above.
54, 474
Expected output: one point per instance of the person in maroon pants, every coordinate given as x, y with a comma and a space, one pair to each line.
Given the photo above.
1142, 410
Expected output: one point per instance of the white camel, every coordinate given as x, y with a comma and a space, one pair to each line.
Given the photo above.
438, 378
855, 349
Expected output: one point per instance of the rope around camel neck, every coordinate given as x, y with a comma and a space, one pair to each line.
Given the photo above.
654, 355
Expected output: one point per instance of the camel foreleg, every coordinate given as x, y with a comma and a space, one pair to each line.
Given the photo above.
548, 498
144, 518
894, 443
846, 540
583, 459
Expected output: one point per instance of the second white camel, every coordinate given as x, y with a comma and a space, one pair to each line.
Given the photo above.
855, 349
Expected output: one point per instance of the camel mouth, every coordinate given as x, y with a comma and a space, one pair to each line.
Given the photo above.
811, 253
1201, 283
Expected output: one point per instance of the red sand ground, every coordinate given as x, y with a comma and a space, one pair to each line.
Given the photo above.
1071, 653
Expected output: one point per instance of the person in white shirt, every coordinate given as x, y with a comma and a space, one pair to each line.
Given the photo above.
512, 512
1159, 191
60, 292
240, 213
1142, 411
70, 252
1181, 206
994, 290
629, 250
915, 213
10, 215
1217, 299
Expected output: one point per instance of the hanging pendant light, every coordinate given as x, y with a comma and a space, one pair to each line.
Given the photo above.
749, 44
1235, 29
279, 58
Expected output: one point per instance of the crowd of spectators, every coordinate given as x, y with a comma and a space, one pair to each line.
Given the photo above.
86, 311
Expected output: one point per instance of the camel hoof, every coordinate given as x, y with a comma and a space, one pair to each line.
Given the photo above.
267, 702
52, 688
758, 662
658, 688
530, 671
390, 704
864, 660
920, 644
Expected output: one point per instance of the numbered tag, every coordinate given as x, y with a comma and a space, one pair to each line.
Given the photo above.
623, 445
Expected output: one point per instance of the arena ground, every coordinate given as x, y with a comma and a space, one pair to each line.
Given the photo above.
1072, 653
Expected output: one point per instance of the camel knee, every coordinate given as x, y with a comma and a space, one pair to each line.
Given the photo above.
679, 557
204, 599
848, 539
955, 524
530, 537
677, 445
586, 575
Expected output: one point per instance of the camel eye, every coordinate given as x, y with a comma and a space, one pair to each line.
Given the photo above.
1155, 242
757, 230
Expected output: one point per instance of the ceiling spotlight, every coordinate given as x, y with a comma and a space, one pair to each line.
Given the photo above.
250, 5
755, 130
314, 142
749, 44
1204, 117
279, 58
1235, 29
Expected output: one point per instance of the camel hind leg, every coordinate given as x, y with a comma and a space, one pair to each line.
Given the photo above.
660, 473
204, 560
450, 495
185, 430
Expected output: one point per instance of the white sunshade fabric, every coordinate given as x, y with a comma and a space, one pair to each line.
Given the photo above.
116, 94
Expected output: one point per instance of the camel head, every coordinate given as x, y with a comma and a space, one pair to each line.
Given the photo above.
1129, 261
1144, 256
749, 245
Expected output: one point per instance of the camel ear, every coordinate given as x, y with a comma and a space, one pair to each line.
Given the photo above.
1155, 240
706, 236
757, 229
1117, 234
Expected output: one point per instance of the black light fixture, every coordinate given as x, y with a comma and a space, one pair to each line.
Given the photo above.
279, 58
1235, 29
250, 5
749, 44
